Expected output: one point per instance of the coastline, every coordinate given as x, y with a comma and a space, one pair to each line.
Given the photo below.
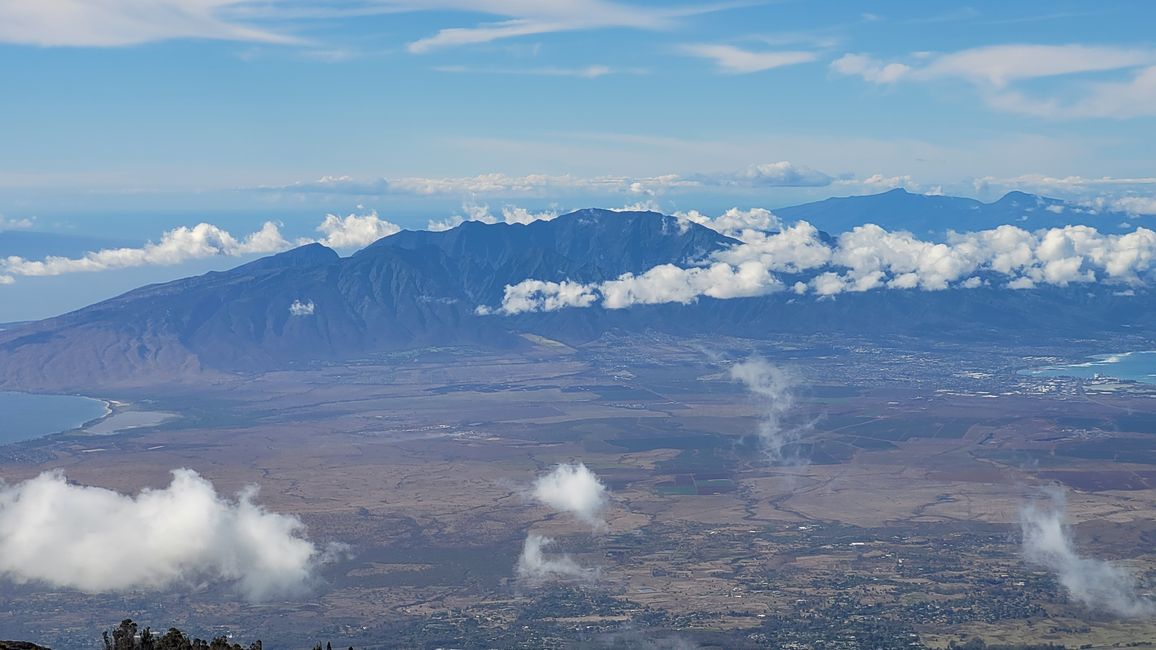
1102, 365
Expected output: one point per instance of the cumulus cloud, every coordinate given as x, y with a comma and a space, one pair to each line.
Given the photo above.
355, 230
481, 212
865, 258
99, 541
735, 60
774, 389
573, 489
8, 223
175, 247
535, 567
669, 283
1134, 205
539, 295
1095, 584
736, 223
299, 308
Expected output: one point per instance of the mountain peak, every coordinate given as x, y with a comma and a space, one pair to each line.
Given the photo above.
308, 255
1016, 196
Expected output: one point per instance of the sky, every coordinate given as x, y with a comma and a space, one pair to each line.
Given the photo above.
127, 118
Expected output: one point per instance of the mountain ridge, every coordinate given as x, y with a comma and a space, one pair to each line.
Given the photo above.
421, 288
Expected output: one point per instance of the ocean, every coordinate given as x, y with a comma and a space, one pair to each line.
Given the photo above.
25, 417
1134, 366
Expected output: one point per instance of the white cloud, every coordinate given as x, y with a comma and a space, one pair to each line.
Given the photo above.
299, 308
585, 72
668, 283
1136, 205
538, 295
111, 23
999, 65
1118, 99
355, 230
1095, 584
535, 567
524, 18
993, 69
776, 174
100, 541
573, 489
782, 174
334, 185
881, 183
870, 68
481, 212
204, 240
790, 249
176, 246
774, 387
7, 223
865, 258
734, 60
736, 223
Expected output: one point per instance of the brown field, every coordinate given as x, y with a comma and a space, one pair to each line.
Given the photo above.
421, 464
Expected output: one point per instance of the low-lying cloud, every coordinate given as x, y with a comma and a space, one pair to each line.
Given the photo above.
1095, 584
354, 230
781, 173
534, 566
185, 244
865, 258
481, 213
100, 541
176, 246
573, 489
774, 389
299, 308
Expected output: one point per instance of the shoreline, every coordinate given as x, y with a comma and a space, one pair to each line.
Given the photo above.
1098, 364
109, 407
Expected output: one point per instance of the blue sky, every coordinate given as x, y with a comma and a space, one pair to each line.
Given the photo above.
129, 117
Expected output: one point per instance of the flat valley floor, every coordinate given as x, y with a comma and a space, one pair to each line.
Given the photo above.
896, 518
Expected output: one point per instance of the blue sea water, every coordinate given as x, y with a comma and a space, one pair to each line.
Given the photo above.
1133, 366
25, 417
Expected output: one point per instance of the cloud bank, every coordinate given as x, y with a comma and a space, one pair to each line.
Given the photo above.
774, 174
774, 388
99, 541
202, 241
865, 258
1095, 584
175, 247
573, 489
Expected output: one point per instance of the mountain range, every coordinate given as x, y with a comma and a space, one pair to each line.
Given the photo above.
929, 215
421, 288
